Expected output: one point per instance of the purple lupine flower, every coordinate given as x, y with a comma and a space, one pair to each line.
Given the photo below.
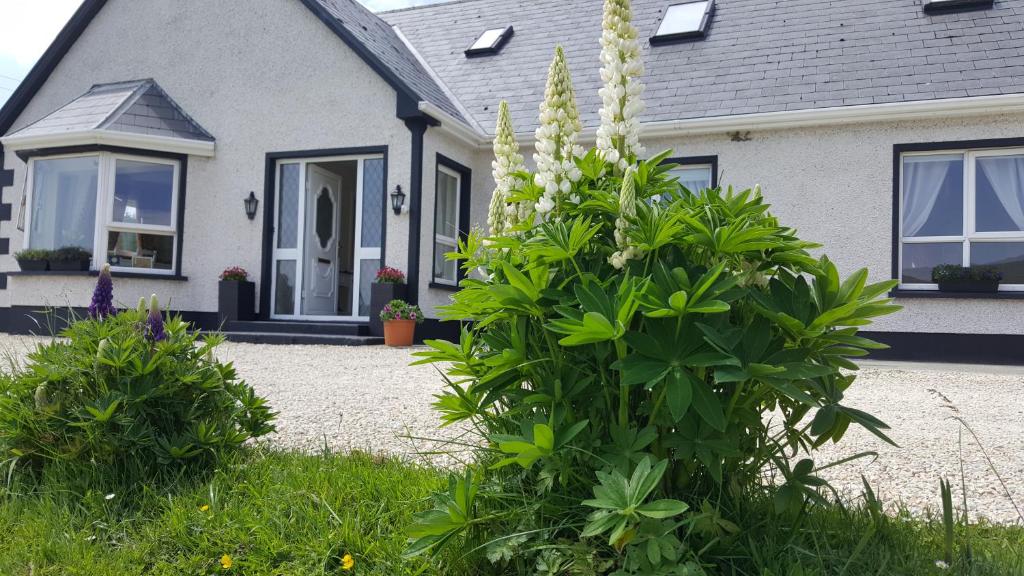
155, 321
102, 304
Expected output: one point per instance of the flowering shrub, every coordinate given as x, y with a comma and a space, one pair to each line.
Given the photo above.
401, 310
131, 393
236, 273
102, 303
638, 353
389, 275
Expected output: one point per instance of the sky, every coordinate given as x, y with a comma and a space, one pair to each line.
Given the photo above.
28, 26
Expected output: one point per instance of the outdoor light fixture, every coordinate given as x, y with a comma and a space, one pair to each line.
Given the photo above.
250, 205
397, 199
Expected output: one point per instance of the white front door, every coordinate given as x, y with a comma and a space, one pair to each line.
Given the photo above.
322, 235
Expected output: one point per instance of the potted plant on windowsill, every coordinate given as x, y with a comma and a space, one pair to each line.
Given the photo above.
70, 259
976, 279
400, 319
33, 260
236, 295
388, 285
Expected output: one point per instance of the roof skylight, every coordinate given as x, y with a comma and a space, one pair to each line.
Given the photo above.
684, 21
956, 5
490, 42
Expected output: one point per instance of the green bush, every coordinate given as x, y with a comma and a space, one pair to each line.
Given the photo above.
70, 254
129, 393
953, 272
33, 254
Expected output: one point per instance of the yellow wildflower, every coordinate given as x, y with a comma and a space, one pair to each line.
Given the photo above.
204, 507
226, 562
347, 562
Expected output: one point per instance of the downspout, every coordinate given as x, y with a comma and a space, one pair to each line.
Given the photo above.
418, 127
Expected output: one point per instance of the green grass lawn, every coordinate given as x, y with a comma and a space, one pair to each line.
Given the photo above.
279, 513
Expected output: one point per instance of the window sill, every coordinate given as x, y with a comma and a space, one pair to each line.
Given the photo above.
115, 274
445, 287
936, 294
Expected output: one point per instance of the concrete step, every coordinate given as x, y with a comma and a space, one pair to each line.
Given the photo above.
291, 338
296, 327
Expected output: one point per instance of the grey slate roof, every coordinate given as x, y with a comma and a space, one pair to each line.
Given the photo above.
383, 42
137, 106
759, 56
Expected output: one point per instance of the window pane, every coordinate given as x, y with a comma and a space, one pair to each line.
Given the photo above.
933, 195
445, 218
64, 203
288, 211
373, 203
367, 271
284, 288
444, 269
682, 18
1008, 257
919, 259
143, 192
137, 250
999, 200
693, 178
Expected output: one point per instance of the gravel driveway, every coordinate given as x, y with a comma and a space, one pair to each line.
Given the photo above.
369, 398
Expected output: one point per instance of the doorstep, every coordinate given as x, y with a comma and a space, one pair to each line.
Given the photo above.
298, 332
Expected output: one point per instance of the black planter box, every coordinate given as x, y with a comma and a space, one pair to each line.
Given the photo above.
380, 295
975, 286
33, 265
236, 300
69, 265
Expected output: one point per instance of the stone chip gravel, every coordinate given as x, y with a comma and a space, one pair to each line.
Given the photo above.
369, 398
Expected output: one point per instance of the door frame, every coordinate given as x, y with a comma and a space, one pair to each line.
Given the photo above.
270, 183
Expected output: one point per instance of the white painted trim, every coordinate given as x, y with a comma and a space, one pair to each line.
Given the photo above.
838, 115
110, 138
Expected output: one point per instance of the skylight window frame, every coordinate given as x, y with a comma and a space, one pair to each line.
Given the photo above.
947, 6
494, 48
698, 34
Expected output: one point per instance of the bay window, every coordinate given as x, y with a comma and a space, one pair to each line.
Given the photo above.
963, 207
122, 208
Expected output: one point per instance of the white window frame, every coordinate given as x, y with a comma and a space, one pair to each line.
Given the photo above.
710, 167
970, 234
440, 239
105, 223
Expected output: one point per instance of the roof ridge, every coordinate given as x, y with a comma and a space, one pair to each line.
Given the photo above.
129, 100
430, 5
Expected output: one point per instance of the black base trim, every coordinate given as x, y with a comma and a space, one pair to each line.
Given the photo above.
926, 294
38, 321
114, 273
1003, 349
433, 329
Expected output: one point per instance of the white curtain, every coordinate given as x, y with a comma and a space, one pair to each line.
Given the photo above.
1007, 178
922, 182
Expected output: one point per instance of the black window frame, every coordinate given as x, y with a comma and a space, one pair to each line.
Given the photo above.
947, 6
684, 161
898, 150
181, 159
465, 205
692, 35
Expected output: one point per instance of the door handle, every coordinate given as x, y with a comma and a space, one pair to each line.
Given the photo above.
323, 260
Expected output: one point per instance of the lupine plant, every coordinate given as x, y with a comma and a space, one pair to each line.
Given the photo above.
639, 364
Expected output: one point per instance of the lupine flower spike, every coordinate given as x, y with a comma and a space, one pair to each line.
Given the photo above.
155, 322
556, 137
627, 210
503, 215
102, 304
618, 137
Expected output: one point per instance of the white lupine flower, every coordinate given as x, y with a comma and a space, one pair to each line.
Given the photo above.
556, 137
627, 209
618, 137
507, 162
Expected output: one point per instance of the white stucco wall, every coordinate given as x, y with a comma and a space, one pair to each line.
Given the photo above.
834, 185
266, 76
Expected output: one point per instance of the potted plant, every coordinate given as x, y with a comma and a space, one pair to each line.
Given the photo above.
400, 319
236, 295
70, 259
956, 278
388, 285
33, 259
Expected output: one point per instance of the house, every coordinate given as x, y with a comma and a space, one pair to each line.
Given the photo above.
891, 131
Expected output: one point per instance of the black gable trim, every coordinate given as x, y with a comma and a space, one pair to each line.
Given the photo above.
408, 99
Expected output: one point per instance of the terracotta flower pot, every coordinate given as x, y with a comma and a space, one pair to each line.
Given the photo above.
399, 332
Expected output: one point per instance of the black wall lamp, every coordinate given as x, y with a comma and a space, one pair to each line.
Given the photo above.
250, 205
397, 199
